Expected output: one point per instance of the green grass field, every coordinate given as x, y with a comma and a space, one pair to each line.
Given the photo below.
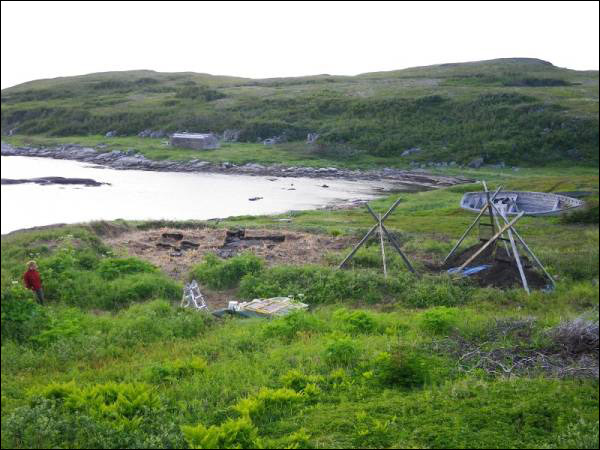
403, 362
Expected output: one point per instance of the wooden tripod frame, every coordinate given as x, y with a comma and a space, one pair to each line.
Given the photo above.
381, 230
508, 227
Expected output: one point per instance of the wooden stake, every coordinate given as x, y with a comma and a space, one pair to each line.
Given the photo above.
382, 247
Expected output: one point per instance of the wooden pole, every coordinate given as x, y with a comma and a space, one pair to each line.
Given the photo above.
490, 242
489, 204
355, 249
462, 238
397, 247
382, 247
496, 221
516, 255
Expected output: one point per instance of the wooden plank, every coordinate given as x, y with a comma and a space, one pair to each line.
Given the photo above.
490, 242
462, 238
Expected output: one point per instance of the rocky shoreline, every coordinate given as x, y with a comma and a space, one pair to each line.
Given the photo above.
88, 182
132, 160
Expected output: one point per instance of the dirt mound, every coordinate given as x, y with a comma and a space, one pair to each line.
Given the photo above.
503, 272
161, 246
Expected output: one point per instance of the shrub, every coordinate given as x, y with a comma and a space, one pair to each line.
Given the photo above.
586, 215
373, 433
238, 433
356, 322
138, 288
298, 381
223, 274
22, 318
438, 292
439, 320
64, 326
174, 371
112, 268
268, 405
288, 327
320, 284
342, 352
582, 435
122, 405
152, 321
403, 368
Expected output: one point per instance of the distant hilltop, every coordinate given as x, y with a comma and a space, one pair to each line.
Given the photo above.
514, 110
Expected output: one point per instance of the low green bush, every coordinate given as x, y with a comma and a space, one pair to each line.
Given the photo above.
356, 322
586, 215
22, 318
268, 405
342, 351
173, 371
233, 433
298, 381
137, 288
439, 320
290, 326
217, 273
154, 321
319, 284
403, 368
112, 268
110, 415
439, 291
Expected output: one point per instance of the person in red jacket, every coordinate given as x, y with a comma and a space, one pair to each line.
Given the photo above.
33, 281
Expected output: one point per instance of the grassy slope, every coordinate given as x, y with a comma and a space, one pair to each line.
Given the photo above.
199, 371
520, 111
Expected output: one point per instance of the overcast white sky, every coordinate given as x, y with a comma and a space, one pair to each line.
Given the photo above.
273, 39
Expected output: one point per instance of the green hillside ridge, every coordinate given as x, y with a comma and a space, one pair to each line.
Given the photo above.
519, 111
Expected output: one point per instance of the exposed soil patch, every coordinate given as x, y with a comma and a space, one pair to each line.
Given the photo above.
164, 247
503, 273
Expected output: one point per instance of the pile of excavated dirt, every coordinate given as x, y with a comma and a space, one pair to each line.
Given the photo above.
504, 272
163, 246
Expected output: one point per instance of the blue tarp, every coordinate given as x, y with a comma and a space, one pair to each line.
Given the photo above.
468, 271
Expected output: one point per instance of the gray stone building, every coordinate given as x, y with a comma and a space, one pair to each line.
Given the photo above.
196, 141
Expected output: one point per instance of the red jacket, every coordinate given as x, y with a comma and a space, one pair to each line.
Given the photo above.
32, 280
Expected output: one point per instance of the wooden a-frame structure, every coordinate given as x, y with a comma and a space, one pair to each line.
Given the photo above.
495, 212
381, 231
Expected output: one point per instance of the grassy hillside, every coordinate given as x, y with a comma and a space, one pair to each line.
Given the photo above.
519, 111
402, 362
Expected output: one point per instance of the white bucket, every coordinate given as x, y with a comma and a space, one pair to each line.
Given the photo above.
233, 306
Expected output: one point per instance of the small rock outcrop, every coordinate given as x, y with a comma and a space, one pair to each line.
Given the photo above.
476, 163
410, 151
